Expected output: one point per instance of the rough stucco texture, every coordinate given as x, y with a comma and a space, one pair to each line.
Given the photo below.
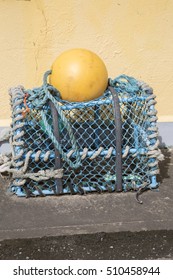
132, 37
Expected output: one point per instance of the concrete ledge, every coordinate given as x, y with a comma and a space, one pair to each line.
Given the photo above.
91, 213
133, 226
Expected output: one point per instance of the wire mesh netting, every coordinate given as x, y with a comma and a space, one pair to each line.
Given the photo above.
86, 142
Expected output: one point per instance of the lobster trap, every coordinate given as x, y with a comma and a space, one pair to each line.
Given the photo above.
107, 144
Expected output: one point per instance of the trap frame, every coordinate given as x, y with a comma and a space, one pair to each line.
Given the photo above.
107, 144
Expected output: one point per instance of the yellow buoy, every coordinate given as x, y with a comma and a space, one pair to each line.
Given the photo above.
79, 75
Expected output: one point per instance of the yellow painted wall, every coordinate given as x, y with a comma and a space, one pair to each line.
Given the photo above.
134, 37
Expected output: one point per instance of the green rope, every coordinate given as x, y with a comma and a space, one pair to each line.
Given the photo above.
48, 129
39, 97
46, 74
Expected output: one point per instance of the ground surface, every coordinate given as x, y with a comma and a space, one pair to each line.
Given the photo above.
107, 226
110, 246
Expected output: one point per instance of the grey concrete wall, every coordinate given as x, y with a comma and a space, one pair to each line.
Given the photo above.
166, 133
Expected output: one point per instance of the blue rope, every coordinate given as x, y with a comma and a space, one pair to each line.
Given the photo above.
126, 84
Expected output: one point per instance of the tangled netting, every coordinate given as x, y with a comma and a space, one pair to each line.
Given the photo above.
107, 144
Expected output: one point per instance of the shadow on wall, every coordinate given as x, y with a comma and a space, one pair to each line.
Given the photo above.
165, 164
